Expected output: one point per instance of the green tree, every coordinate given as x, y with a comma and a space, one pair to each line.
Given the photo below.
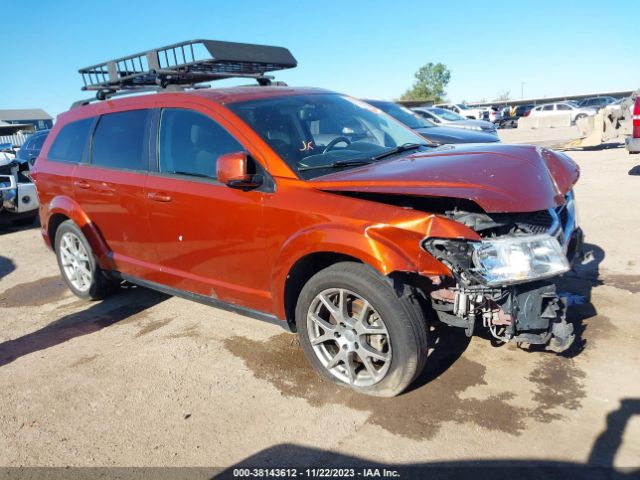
431, 81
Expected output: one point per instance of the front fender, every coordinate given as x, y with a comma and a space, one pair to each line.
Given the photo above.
385, 247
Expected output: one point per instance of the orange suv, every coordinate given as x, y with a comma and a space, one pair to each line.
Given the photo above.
307, 208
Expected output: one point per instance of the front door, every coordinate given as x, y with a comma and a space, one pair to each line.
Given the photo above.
208, 236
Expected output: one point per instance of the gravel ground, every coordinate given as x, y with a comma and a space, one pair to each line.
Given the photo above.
143, 379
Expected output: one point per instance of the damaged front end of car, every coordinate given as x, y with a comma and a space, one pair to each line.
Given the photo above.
505, 280
18, 197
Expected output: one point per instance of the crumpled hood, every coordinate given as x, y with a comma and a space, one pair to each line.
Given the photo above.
498, 177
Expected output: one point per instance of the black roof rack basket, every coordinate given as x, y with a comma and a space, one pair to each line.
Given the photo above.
186, 64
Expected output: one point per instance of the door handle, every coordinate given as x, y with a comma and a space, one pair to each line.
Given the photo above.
82, 184
159, 197
104, 187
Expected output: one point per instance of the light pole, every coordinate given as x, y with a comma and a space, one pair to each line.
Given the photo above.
522, 90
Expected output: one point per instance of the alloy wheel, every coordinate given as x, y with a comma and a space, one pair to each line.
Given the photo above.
75, 262
349, 337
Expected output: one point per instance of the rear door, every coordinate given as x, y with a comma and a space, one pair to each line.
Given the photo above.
547, 110
110, 189
563, 108
56, 170
209, 237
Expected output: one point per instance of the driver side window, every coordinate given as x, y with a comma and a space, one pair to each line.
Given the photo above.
190, 143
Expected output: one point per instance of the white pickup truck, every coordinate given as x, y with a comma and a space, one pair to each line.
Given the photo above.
466, 111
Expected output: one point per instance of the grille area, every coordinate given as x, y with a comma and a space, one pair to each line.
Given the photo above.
559, 222
540, 222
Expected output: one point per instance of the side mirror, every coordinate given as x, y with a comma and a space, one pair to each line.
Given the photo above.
232, 170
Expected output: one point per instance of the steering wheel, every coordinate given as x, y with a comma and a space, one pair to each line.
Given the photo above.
334, 142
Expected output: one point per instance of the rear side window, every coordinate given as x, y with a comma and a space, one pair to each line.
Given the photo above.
27, 145
37, 142
71, 141
119, 141
547, 107
190, 143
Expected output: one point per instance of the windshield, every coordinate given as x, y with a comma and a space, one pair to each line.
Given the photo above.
462, 106
315, 134
446, 114
402, 114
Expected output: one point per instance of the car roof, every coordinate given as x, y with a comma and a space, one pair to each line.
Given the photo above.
242, 94
223, 96
373, 101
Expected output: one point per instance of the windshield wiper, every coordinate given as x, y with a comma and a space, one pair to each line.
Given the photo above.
399, 149
337, 164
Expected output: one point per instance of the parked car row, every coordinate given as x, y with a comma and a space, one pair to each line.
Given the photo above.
472, 113
444, 132
506, 116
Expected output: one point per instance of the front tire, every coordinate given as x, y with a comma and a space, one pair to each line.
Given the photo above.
361, 331
78, 265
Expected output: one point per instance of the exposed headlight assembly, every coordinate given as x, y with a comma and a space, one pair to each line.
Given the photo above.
518, 259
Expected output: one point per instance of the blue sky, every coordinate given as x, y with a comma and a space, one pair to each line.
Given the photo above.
363, 48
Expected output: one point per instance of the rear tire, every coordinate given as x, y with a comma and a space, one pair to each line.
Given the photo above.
360, 330
78, 265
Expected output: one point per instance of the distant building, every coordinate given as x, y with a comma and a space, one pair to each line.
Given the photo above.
38, 118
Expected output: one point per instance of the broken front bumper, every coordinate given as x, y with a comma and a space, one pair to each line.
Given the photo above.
17, 198
530, 313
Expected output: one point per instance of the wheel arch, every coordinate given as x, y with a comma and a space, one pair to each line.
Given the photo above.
324, 245
55, 220
387, 248
64, 208
301, 272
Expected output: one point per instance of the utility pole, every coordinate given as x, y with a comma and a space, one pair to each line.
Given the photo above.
522, 90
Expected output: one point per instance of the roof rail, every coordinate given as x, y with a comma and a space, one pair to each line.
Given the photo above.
185, 65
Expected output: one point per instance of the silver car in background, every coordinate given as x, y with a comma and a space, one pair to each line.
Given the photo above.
444, 117
572, 108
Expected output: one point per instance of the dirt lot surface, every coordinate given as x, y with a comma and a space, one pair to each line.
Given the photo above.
143, 379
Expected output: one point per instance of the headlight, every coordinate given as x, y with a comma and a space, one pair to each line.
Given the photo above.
518, 259
472, 127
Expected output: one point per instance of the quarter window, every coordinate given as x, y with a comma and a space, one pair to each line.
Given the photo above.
118, 141
190, 143
70, 143
37, 142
